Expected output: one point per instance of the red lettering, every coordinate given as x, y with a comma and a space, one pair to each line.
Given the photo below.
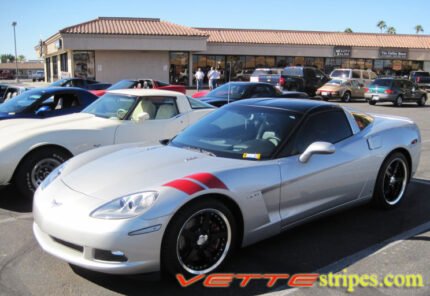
303, 280
219, 280
273, 278
185, 283
246, 278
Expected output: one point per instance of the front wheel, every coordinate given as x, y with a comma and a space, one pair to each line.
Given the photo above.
199, 238
392, 181
35, 167
371, 102
422, 100
346, 97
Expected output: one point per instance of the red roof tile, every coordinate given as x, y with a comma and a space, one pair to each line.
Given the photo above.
285, 37
132, 26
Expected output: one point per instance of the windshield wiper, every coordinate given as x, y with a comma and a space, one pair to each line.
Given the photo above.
199, 150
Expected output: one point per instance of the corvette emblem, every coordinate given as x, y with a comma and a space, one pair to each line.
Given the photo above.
55, 203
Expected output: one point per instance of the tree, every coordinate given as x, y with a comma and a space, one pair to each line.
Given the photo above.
348, 30
418, 29
391, 30
7, 58
21, 58
381, 25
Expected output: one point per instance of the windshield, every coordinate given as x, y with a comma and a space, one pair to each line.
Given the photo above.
381, 82
123, 84
243, 132
335, 81
236, 90
340, 73
59, 82
20, 103
112, 106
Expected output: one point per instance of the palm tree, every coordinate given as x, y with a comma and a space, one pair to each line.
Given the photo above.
21, 58
391, 30
348, 30
418, 29
381, 25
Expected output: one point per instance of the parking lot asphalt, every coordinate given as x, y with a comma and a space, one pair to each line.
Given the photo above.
327, 245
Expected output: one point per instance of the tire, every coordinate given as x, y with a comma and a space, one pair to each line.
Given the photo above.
346, 97
389, 192
35, 167
398, 102
34, 80
422, 101
371, 102
177, 248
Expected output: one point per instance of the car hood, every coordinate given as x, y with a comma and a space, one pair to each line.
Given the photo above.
136, 169
10, 129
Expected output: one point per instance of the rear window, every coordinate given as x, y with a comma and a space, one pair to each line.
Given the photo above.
356, 74
382, 82
362, 119
340, 73
293, 71
422, 74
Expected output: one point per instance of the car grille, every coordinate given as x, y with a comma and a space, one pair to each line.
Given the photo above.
69, 245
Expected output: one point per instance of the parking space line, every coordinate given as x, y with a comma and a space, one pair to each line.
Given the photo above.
20, 217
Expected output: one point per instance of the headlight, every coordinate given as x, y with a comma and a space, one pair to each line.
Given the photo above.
126, 207
52, 176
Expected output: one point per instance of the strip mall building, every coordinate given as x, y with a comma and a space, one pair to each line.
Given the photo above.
109, 49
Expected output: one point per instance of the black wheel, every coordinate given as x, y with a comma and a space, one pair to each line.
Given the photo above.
35, 167
422, 101
199, 238
371, 102
346, 97
399, 101
34, 80
392, 181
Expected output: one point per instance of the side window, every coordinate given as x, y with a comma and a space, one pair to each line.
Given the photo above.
309, 74
319, 74
261, 91
356, 74
365, 75
327, 126
65, 101
156, 107
77, 83
348, 83
372, 75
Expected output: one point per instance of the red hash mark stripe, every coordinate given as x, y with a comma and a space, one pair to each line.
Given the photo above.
187, 186
208, 179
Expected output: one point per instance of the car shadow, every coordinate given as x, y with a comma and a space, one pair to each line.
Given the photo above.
307, 248
11, 200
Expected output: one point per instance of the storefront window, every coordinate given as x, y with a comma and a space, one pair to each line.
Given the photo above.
270, 62
178, 73
63, 63
250, 62
55, 67
48, 69
281, 62
235, 69
84, 64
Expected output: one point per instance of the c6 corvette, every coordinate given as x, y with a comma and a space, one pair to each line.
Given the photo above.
31, 148
241, 174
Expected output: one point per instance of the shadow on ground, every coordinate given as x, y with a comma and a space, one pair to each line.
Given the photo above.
307, 248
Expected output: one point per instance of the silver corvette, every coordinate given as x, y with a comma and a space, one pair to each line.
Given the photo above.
244, 173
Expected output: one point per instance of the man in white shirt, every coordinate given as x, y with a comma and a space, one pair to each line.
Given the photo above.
199, 78
211, 74
216, 76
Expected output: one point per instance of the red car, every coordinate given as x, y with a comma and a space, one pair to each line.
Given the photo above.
141, 83
200, 94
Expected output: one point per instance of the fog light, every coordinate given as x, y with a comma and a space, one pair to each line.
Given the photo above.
109, 256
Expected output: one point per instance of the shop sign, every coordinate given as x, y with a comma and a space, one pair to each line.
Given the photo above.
342, 51
390, 53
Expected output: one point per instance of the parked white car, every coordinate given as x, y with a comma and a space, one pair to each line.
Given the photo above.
39, 75
32, 148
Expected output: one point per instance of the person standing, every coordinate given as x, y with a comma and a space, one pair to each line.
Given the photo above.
199, 78
216, 76
211, 74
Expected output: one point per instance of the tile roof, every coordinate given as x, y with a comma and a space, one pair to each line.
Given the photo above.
132, 26
286, 37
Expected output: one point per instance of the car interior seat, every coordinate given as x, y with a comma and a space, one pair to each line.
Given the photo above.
145, 105
165, 111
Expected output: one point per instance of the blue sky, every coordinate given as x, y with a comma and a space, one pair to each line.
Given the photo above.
42, 18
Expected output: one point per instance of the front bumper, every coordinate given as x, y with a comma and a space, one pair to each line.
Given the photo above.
69, 233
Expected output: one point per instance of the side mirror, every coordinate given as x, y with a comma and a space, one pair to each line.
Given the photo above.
142, 117
43, 110
317, 148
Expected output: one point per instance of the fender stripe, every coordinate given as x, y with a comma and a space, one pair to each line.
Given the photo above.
187, 186
208, 179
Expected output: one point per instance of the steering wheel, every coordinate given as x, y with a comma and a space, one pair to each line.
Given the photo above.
121, 113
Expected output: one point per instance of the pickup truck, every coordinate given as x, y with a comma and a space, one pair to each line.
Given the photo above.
303, 79
39, 75
422, 78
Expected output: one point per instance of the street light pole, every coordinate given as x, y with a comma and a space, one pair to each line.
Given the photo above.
16, 55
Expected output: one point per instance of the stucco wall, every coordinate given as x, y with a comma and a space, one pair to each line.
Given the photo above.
112, 66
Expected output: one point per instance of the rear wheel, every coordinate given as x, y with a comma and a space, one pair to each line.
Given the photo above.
371, 102
422, 100
346, 97
199, 238
399, 101
392, 181
35, 167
